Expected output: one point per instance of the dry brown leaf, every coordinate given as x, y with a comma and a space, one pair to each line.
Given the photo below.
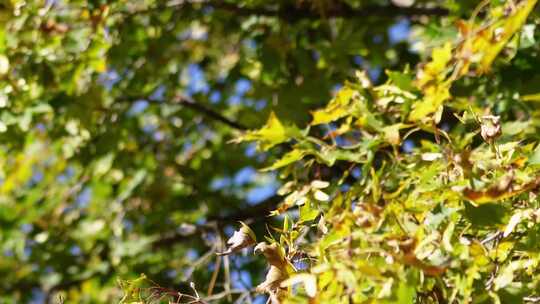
242, 238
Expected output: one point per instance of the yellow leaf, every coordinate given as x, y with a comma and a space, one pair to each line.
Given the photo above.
271, 134
432, 81
511, 25
391, 134
308, 280
435, 96
4, 65
435, 71
336, 109
531, 97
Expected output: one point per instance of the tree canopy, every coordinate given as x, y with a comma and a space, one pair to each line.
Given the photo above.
291, 151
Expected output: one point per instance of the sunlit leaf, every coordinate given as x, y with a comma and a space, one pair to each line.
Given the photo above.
336, 108
271, 134
507, 29
287, 159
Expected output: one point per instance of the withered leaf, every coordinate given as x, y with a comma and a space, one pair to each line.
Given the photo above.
242, 238
272, 253
273, 280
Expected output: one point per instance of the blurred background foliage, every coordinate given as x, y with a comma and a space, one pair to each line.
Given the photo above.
116, 121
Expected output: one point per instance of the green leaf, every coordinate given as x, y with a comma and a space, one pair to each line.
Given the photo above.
308, 212
406, 293
287, 159
403, 80
534, 158
515, 127
531, 97
329, 155
434, 97
130, 185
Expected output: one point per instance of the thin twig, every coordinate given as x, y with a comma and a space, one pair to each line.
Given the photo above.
226, 270
223, 294
190, 103
217, 267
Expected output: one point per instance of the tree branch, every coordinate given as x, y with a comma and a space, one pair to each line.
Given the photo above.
255, 213
192, 104
188, 102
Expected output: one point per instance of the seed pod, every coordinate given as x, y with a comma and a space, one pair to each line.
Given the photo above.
490, 127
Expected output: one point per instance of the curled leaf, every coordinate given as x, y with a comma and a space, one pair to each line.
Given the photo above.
272, 285
273, 254
4, 65
431, 156
321, 196
403, 3
242, 238
273, 280
278, 272
514, 221
319, 184
321, 225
